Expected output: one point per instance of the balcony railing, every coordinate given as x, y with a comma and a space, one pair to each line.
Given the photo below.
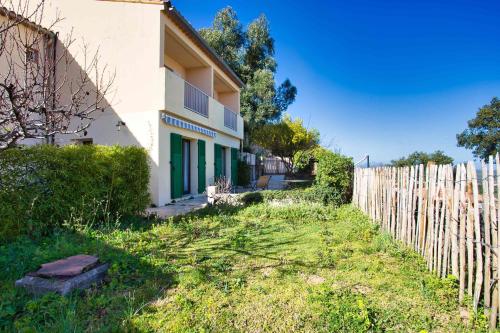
230, 119
195, 99
189, 103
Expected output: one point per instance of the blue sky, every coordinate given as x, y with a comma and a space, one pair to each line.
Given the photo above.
380, 77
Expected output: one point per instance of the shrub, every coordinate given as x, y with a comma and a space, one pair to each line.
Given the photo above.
243, 173
314, 194
324, 194
304, 161
271, 195
334, 171
42, 187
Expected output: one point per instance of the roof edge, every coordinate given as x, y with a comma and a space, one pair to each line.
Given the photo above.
143, 2
179, 19
10, 14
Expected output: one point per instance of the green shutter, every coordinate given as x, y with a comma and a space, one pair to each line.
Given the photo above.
202, 167
176, 165
234, 166
217, 161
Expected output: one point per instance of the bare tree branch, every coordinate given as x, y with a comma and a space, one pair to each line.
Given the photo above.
44, 91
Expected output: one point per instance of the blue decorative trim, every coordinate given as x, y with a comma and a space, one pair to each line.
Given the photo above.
172, 121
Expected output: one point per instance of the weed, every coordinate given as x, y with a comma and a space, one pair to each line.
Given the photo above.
300, 267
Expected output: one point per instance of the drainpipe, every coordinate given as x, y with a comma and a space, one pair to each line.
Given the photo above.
54, 72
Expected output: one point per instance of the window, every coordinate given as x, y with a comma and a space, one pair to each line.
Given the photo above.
84, 141
32, 55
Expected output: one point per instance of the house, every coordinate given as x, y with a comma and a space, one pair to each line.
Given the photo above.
172, 94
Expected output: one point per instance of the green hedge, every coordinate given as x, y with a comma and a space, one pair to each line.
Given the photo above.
244, 173
332, 186
310, 194
45, 186
334, 174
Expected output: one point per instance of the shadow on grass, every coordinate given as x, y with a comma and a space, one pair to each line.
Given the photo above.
147, 257
131, 283
246, 241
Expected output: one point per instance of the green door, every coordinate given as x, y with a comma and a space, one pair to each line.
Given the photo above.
234, 166
218, 161
202, 167
175, 165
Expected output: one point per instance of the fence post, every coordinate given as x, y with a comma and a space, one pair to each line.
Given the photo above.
443, 214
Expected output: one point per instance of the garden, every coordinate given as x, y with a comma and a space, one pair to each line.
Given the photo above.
301, 260
265, 267
297, 260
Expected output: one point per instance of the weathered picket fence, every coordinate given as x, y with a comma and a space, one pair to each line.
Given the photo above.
448, 215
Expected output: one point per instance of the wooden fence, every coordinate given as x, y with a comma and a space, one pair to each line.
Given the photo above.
274, 166
448, 215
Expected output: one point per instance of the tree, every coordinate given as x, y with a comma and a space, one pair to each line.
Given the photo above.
483, 134
250, 54
419, 157
286, 139
226, 37
43, 91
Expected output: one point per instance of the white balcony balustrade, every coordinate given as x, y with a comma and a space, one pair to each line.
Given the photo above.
189, 102
195, 99
230, 119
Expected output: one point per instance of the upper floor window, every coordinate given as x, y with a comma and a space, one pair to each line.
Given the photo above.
32, 55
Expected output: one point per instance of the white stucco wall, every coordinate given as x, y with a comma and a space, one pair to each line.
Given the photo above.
130, 38
164, 157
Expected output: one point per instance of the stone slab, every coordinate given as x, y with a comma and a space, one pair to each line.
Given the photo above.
68, 267
40, 286
179, 208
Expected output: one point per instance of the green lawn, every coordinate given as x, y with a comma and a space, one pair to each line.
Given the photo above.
262, 268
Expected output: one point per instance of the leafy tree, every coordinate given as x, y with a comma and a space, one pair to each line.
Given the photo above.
286, 139
250, 53
483, 134
226, 37
419, 157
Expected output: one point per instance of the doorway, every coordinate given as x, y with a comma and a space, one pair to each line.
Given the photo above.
186, 166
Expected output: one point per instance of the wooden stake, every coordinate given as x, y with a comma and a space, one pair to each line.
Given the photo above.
462, 238
440, 212
454, 223
487, 238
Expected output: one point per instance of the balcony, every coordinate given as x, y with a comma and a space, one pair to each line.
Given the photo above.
230, 119
195, 99
188, 101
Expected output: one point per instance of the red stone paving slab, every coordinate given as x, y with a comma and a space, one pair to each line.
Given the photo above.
69, 267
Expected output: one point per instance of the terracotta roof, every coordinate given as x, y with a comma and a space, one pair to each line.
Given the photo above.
23, 20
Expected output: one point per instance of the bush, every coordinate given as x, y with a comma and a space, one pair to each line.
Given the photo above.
303, 160
334, 171
42, 187
324, 194
314, 194
243, 173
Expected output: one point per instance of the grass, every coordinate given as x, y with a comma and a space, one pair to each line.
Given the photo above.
261, 268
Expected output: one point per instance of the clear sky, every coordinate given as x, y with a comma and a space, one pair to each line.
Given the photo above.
380, 77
